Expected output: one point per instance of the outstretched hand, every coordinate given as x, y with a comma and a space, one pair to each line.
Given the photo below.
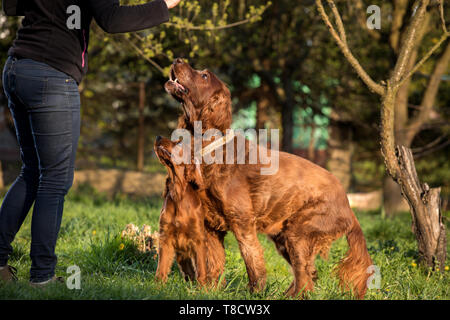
172, 3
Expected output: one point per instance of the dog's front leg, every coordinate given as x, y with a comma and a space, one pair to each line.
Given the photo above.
253, 255
165, 259
200, 261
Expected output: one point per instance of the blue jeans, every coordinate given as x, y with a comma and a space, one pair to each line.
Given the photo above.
45, 105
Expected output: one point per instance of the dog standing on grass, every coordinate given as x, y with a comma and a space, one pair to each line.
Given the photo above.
183, 226
302, 207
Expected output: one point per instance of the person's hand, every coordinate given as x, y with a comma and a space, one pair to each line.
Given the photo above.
172, 3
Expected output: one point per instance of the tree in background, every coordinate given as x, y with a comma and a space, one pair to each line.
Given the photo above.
408, 124
424, 202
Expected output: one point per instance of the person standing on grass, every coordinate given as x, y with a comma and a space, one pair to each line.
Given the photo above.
46, 63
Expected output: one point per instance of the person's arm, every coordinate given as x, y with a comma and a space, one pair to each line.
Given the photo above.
114, 18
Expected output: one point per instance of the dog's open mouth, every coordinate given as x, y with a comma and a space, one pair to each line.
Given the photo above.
174, 80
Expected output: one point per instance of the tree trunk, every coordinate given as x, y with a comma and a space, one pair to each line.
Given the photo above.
287, 115
312, 144
262, 108
340, 151
393, 201
287, 121
425, 206
141, 128
2, 183
424, 202
404, 131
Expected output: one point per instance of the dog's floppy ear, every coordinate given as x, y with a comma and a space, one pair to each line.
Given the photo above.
217, 112
196, 175
189, 110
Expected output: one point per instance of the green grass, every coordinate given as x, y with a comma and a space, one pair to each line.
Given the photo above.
90, 239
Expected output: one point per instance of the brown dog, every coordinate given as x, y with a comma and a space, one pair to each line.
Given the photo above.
198, 248
302, 207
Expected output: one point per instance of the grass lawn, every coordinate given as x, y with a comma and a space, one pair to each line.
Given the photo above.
90, 238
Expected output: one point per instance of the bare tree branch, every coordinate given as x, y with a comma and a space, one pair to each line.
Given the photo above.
408, 44
143, 55
338, 20
400, 8
431, 150
401, 101
371, 84
202, 28
424, 59
441, 11
430, 145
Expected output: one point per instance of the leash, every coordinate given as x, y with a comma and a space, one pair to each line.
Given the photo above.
218, 143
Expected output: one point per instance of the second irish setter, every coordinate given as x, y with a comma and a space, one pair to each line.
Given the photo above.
183, 226
302, 207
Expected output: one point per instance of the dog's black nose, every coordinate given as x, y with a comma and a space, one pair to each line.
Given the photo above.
178, 61
158, 139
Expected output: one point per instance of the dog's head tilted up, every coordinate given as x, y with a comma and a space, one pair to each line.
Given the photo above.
203, 96
181, 174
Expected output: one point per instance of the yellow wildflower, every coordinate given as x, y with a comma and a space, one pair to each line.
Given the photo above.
121, 246
414, 264
446, 268
94, 232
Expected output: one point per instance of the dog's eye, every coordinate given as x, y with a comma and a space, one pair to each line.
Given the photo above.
205, 76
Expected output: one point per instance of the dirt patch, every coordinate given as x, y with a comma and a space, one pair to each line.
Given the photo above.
370, 201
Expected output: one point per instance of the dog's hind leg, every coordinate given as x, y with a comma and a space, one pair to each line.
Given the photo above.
302, 258
281, 245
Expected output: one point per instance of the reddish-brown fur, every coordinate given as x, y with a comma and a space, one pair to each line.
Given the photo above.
197, 247
303, 208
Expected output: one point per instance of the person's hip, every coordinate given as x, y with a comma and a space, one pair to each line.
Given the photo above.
35, 84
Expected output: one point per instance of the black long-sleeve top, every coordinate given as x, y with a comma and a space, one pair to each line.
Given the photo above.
45, 35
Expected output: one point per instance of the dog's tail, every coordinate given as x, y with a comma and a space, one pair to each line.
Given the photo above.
353, 269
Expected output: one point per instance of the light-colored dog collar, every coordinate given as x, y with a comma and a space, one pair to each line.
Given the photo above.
218, 143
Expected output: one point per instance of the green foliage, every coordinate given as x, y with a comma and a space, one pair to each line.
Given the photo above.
262, 50
245, 118
112, 268
194, 24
